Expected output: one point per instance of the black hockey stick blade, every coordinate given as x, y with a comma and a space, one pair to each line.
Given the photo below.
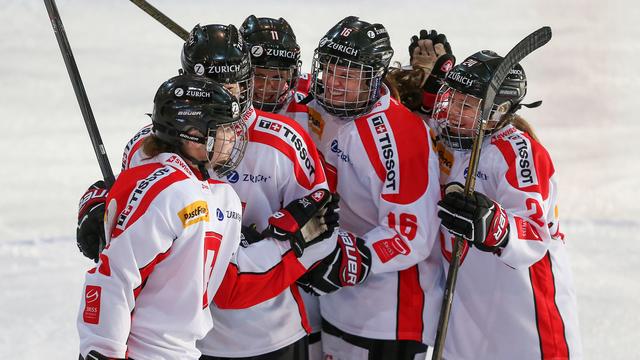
162, 19
81, 94
526, 46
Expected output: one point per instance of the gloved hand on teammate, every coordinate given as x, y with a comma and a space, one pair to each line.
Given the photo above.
347, 265
431, 52
477, 219
305, 221
249, 235
90, 233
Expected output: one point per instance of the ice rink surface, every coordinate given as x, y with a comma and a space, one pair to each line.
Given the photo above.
587, 76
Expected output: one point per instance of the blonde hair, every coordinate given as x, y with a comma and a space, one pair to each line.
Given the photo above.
521, 124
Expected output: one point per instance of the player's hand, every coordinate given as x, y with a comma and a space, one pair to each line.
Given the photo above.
347, 265
90, 233
305, 221
477, 219
249, 235
431, 52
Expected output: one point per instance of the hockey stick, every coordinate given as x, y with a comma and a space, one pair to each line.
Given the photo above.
81, 94
530, 43
162, 19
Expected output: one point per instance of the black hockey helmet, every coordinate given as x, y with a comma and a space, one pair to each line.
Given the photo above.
358, 46
219, 52
464, 87
187, 102
472, 76
273, 46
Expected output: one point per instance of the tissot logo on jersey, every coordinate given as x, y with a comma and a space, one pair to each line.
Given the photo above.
138, 193
387, 150
127, 150
525, 169
291, 137
194, 213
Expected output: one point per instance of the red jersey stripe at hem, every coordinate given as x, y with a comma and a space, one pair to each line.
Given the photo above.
551, 331
409, 322
301, 309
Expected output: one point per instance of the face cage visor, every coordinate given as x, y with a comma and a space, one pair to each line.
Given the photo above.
225, 145
274, 86
243, 91
343, 87
457, 114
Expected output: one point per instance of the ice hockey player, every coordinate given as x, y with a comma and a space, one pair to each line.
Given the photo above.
514, 296
275, 58
379, 158
280, 166
168, 231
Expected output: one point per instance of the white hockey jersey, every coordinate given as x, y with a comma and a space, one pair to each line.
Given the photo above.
519, 304
385, 170
280, 164
299, 113
169, 234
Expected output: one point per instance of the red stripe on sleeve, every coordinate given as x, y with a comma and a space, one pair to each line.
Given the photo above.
410, 305
553, 342
148, 269
242, 290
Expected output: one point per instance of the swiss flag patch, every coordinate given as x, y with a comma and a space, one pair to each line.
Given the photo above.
91, 314
318, 195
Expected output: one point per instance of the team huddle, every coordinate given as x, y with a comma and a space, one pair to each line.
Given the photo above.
272, 214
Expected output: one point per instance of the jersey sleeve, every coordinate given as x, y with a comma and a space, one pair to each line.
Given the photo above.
111, 288
405, 187
527, 189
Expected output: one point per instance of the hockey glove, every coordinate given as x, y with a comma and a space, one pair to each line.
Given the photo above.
432, 53
94, 355
249, 235
347, 265
305, 221
90, 232
477, 219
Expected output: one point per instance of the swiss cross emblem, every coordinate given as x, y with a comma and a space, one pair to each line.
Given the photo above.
381, 129
275, 127
317, 196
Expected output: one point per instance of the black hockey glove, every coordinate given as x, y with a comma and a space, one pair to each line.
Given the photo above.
477, 219
249, 235
347, 265
90, 232
432, 53
305, 221
94, 355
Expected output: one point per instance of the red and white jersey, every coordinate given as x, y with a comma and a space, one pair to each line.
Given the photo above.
168, 233
385, 170
519, 304
280, 165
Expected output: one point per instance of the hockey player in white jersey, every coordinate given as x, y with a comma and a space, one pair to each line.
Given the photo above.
379, 158
280, 166
514, 294
275, 58
168, 231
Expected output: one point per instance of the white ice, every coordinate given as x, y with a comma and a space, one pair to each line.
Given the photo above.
587, 76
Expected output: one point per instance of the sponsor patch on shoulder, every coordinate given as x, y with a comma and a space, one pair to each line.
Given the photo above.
194, 213
387, 151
